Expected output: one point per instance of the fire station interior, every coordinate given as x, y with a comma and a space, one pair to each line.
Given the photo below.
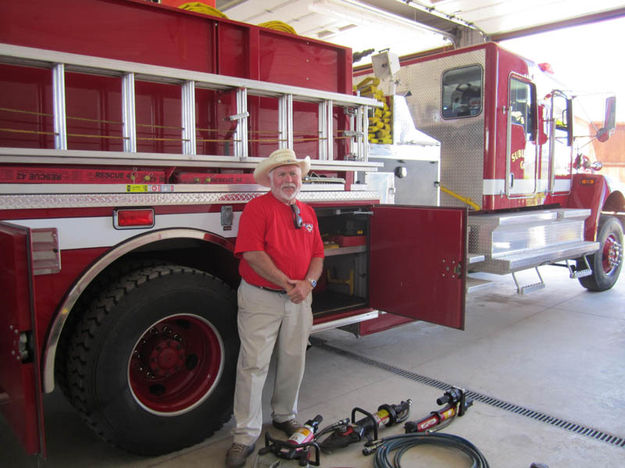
534, 380
544, 372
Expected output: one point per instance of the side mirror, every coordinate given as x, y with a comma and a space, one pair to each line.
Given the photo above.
583, 162
569, 122
609, 124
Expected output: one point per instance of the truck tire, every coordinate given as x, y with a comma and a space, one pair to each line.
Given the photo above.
607, 262
89, 295
152, 362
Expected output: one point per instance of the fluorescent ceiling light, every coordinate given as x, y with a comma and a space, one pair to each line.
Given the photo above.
368, 16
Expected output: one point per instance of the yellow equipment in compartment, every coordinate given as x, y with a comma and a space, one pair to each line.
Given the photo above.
380, 130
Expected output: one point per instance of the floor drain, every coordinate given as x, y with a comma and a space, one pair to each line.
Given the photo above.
488, 400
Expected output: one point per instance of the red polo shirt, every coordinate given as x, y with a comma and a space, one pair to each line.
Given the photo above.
267, 225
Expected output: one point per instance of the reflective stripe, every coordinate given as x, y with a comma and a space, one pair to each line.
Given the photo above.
497, 187
84, 233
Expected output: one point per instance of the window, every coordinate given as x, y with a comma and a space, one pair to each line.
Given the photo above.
522, 106
462, 92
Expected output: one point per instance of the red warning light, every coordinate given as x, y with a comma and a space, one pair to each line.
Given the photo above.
133, 218
546, 67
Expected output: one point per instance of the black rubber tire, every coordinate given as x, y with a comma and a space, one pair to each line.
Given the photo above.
604, 275
91, 293
122, 326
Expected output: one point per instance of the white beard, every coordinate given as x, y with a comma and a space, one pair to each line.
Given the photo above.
288, 196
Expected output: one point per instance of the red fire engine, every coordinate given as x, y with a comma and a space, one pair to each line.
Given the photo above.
128, 136
509, 151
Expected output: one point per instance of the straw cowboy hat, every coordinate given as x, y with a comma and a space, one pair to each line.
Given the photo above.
280, 157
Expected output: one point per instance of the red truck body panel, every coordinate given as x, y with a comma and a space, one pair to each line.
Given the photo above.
19, 374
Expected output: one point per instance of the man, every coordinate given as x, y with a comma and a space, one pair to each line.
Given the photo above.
281, 260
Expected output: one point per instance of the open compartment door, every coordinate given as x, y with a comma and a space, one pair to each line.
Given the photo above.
20, 395
417, 263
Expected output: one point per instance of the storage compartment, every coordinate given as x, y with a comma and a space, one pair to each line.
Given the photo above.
343, 283
404, 260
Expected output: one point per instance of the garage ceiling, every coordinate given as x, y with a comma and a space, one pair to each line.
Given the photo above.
412, 26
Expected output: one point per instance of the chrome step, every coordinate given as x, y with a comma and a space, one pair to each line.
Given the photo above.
531, 287
517, 261
575, 272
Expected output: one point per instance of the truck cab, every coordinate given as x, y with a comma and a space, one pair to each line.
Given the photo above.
508, 152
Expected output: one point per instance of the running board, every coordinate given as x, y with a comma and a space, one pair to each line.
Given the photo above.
524, 260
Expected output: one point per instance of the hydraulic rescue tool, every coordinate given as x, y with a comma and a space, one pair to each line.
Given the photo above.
299, 446
457, 405
422, 433
344, 433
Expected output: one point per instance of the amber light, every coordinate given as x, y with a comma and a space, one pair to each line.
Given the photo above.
587, 181
133, 218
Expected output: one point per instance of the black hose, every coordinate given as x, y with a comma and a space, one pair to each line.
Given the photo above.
401, 443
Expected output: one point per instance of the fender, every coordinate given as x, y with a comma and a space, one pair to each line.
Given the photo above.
119, 251
589, 191
616, 200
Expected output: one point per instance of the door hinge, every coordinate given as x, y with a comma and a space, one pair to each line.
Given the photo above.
451, 269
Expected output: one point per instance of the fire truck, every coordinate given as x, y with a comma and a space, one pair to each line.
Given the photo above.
513, 150
128, 137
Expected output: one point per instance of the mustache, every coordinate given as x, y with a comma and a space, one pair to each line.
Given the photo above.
284, 188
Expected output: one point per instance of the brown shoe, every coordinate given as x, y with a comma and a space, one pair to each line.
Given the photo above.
288, 427
237, 454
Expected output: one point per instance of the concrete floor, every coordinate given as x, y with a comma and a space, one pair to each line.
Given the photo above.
559, 351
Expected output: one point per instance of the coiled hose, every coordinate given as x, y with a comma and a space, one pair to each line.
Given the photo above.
401, 443
199, 7
278, 26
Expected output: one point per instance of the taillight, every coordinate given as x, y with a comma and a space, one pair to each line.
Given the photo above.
133, 218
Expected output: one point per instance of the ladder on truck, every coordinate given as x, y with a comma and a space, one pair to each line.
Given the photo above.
61, 62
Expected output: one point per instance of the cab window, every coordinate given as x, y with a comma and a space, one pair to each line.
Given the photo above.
463, 90
522, 107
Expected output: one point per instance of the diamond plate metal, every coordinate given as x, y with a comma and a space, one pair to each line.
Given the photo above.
39, 201
462, 139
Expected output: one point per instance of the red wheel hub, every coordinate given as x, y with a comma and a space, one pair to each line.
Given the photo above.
611, 254
167, 358
175, 364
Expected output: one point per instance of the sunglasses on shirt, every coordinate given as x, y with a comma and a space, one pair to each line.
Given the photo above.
297, 218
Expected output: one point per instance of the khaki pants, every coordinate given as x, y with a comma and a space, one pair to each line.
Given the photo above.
267, 319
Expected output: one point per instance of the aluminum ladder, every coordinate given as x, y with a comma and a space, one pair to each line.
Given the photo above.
61, 62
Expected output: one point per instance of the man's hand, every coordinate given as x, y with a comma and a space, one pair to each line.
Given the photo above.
262, 264
298, 290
